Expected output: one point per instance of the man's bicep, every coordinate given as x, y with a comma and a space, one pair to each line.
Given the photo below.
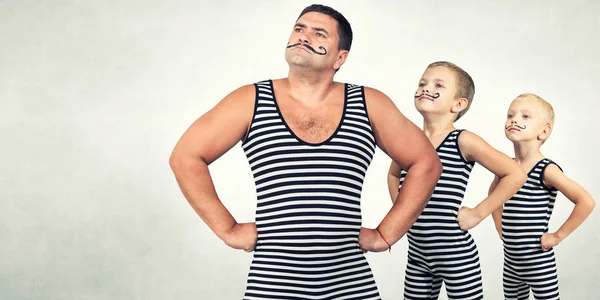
405, 143
397, 136
221, 128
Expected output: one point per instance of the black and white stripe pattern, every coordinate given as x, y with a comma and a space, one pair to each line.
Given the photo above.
439, 251
524, 220
308, 212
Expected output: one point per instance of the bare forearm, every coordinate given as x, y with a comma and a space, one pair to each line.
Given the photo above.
507, 187
197, 186
411, 200
393, 185
580, 212
497, 216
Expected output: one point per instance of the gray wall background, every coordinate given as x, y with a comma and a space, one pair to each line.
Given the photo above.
94, 95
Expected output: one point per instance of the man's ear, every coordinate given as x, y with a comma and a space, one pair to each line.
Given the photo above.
341, 59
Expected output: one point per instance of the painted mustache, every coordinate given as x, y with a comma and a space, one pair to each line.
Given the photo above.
437, 95
515, 125
310, 48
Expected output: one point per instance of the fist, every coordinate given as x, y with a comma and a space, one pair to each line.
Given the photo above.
467, 218
549, 240
371, 240
242, 236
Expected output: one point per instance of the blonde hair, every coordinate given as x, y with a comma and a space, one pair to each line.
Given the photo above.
546, 107
465, 87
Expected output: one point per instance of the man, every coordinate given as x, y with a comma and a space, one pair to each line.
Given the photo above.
309, 141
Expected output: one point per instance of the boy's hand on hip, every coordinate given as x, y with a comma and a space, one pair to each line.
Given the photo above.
467, 218
549, 240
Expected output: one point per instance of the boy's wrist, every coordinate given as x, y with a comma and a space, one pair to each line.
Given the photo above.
480, 214
559, 235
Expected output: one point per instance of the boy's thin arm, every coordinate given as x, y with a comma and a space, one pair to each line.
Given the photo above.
584, 203
408, 146
497, 214
393, 180
209, 137
511, 177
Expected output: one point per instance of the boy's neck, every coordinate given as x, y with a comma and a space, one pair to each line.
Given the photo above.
437, 126
527, 152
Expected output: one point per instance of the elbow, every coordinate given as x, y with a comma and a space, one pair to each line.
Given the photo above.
521, 178
182, 163
174, 161
585, 204
436, 167
177, 162
517, 178
591, 204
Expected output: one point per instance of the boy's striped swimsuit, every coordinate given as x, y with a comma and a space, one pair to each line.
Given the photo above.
525, 219
439, 251
308, 213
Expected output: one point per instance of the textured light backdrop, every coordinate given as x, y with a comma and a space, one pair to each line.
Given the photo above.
94, 95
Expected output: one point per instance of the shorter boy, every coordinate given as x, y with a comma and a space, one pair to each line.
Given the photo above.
523, 223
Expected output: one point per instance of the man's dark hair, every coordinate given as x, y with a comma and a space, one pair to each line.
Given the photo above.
344, 29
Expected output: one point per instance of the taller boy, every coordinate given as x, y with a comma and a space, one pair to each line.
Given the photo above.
440, 248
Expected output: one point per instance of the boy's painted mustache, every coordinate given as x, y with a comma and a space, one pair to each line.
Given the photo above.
310, 48
515, 125
437, 95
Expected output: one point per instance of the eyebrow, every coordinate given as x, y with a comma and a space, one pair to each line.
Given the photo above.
313, 28
434, 80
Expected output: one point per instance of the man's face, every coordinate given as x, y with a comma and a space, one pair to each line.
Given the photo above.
314, 43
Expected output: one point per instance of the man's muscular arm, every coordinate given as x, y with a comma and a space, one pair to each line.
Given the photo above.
209, 137
408, 147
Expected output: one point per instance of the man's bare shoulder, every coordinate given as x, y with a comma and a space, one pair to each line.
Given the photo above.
376, 96
236, 107
376, 100
241, 96
374, 92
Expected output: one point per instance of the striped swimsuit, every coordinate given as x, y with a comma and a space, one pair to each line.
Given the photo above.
524, 220
439, 251
308, 213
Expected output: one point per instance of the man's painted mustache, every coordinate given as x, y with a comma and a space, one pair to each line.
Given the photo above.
310, 48
437, 95
515, 125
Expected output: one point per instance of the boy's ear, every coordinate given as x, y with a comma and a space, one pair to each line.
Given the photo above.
459, 105
545, 133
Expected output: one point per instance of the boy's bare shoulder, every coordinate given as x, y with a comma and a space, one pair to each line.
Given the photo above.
469, 139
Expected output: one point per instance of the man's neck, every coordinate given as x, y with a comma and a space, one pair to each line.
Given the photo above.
311, 87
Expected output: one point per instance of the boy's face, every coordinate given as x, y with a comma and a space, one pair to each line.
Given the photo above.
525, 120
436, 91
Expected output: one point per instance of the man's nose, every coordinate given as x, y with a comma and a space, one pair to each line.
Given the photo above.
304, 39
